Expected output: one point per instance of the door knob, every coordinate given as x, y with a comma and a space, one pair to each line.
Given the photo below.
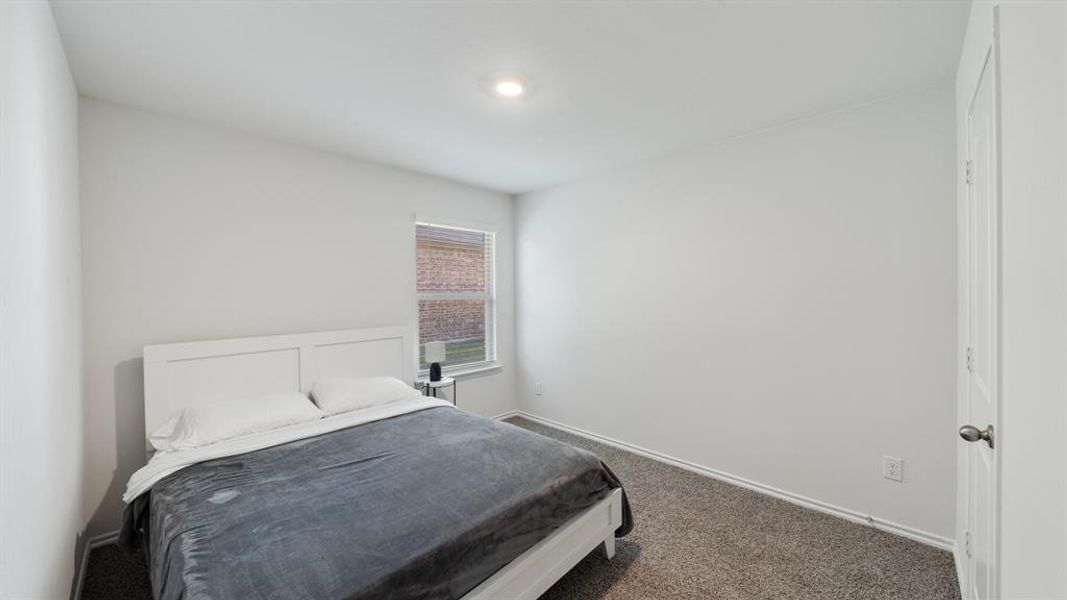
973, 434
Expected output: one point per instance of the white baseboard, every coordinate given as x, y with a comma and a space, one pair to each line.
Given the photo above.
844, 513
507, 415
96, 541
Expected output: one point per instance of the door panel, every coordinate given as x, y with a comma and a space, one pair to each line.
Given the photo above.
983, 252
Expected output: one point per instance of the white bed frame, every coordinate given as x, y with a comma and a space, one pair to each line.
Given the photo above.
191, 373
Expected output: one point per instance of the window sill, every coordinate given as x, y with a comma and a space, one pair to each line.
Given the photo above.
461, 371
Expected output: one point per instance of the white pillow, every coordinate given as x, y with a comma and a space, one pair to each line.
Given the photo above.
161, 437
342, 394
209, 423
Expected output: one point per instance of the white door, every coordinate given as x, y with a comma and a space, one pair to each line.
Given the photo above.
982, 356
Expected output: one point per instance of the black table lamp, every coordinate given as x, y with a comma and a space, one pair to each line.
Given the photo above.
435, 355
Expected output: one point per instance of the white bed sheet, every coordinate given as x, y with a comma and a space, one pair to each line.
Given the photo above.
165, 463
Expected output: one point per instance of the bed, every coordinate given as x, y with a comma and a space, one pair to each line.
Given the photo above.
417, 499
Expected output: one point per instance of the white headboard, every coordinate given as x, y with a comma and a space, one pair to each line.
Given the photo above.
191, 373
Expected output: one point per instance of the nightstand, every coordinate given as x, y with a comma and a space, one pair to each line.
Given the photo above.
429, 388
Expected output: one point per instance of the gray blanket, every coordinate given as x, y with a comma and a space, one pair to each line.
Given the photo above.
424, 505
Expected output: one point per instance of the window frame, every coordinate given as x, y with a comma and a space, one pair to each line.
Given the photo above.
489, 296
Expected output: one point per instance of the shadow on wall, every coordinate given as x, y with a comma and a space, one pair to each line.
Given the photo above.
129, 444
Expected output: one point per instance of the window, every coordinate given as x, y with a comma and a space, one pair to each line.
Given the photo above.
456, 296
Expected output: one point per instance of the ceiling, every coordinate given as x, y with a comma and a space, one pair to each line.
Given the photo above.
402, 83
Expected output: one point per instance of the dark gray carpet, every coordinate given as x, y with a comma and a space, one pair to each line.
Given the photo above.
694, 537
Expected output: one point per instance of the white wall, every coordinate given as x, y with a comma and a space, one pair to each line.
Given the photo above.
780, 307
192, 232
40, 309
1032, 431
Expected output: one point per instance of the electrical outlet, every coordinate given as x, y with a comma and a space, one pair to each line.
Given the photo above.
893, 468
538, 388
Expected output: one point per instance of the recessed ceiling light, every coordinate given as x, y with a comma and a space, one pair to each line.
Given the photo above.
509, 87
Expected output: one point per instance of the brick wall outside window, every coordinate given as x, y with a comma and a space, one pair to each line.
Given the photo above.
451, 320
453, 261
450, 267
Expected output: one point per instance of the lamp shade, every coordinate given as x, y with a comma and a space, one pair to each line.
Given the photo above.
435, 352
